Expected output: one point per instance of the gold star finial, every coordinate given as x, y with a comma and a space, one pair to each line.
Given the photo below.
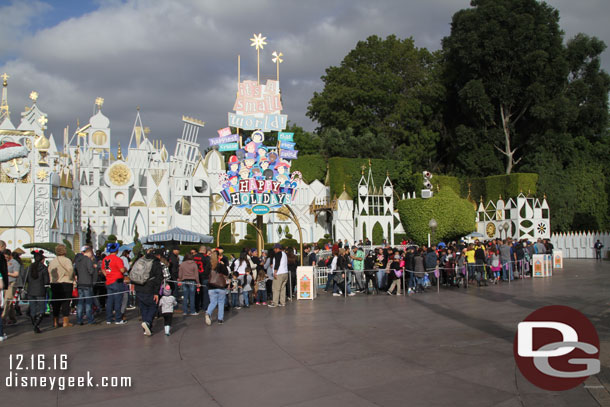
258, 41
99, 102
34, 96
277, 57
43, 121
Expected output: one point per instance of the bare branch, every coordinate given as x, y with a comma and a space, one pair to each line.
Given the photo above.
502, 151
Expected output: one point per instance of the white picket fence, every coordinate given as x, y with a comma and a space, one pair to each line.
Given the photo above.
579, 245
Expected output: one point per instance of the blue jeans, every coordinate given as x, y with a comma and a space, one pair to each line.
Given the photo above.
235, 299
330, 281
217, 298
380, 275
261, 296
85, 305
506, 271
148, 307
114, 301
246, 298
188, 305
412, 282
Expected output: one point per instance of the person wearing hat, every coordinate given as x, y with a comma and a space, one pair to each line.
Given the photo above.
36, 278
233, 166
114, 269
280, 276
147, 294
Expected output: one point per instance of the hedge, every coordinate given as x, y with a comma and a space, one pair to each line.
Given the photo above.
455, 216
50, 247
225, 233
377, 234
348, 171
313, 167
492, 187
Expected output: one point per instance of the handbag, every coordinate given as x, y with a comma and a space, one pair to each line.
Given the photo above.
23, 293
217, 279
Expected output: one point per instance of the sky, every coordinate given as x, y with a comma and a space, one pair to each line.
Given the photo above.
174, 58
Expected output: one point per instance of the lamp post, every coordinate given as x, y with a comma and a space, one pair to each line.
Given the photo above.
505, 226
433, 225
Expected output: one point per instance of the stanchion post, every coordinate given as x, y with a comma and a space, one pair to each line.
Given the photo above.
438, 281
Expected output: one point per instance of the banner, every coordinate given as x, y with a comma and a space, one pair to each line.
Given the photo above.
228, 147
225, 139
283, 136
287, 145
290, 154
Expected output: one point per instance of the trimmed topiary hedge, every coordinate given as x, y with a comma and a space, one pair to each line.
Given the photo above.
348, 171
492, 187
313, 167
455, 216
225, 234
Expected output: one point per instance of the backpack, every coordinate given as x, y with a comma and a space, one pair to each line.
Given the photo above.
140, 272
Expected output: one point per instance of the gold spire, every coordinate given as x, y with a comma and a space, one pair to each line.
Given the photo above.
4, 109
119, 154
344, 186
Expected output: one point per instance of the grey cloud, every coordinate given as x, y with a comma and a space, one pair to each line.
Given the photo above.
179, 57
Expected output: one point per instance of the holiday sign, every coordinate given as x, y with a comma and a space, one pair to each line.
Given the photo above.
258, 175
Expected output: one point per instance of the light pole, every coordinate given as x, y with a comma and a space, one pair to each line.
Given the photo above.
505, 226
433, 225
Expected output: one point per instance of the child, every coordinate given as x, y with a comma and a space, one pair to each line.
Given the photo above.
235, 288
246, 283
167, 304
261, 284
494, 263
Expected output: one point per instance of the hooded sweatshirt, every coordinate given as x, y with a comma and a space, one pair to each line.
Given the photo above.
85, 273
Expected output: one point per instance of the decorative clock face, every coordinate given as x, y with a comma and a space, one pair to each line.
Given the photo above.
119, 174
362, 190
387, 191
491, 229
16, 168
99, 138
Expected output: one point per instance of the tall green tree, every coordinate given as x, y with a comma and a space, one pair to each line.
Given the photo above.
385, 90
504, 65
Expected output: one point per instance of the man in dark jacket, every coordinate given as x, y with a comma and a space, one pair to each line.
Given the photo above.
3, 265
148, 293
86, 277
431, 261
174, 265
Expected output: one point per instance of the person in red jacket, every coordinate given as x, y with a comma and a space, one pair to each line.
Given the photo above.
114, 269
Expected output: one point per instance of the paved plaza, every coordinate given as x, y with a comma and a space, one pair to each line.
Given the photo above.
452, 348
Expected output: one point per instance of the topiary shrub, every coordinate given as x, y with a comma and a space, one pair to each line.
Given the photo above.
313, 167
225, 234
377, 234
455, 216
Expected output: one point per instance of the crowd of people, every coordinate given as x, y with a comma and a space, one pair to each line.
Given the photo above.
208, 282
